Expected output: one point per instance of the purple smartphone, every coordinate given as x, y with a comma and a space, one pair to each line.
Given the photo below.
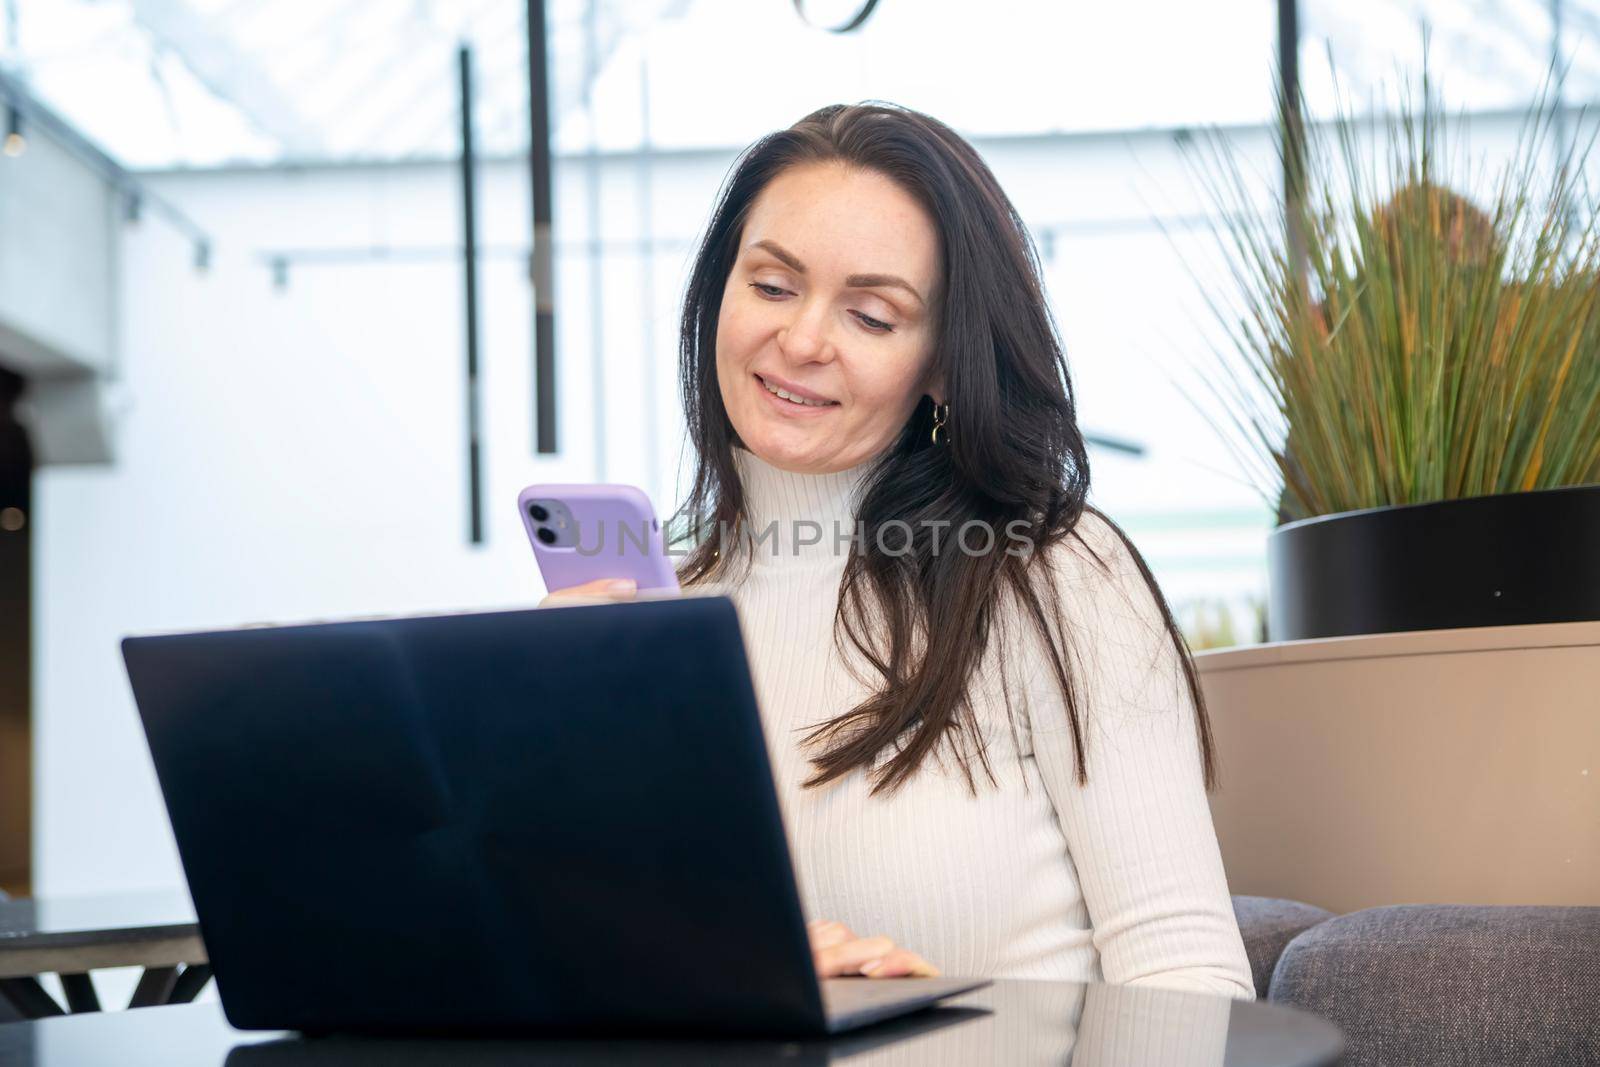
583, 532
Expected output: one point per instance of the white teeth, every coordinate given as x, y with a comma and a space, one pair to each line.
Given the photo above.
795, 399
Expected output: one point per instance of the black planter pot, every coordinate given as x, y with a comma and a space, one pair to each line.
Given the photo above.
1483, 561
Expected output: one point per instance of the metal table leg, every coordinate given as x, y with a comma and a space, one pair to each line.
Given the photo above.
29, 998
189, 983
155, 987
80, 992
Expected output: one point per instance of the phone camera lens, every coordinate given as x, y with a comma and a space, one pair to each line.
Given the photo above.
546, 535
539, 513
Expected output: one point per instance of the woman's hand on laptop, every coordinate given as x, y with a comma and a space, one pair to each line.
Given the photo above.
599, 591
837, 951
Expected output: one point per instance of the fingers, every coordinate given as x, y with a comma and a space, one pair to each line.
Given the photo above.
826, 933
599, 591
900, 963
837, 951
847, 957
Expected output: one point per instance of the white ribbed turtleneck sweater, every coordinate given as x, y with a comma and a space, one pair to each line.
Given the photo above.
1120, 880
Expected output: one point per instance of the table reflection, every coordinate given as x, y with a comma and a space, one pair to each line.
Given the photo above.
1009, 1023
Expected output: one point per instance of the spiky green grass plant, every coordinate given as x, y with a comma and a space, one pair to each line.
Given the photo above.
1422, 349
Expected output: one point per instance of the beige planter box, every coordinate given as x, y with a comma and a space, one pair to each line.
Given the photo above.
1443, 766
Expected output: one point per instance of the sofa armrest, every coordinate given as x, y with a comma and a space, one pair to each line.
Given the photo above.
1268, 925
1453, 983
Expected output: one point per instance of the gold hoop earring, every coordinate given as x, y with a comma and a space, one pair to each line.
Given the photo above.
940, 413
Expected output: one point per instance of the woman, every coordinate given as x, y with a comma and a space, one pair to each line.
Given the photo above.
991, 752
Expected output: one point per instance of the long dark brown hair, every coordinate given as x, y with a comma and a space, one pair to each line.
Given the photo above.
921, 618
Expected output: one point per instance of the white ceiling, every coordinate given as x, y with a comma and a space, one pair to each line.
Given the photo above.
195, 83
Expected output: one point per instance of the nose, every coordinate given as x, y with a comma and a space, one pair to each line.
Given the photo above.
808, 336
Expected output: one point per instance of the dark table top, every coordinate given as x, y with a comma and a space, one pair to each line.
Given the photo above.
1010, 1022
78, 920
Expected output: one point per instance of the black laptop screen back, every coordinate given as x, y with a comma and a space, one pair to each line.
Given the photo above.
518, 819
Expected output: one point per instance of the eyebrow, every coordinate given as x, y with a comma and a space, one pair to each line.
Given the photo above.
854, 281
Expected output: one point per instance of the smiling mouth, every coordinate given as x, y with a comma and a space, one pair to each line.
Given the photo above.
798, 401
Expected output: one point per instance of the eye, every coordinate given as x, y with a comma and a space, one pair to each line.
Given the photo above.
873, 324
772, 292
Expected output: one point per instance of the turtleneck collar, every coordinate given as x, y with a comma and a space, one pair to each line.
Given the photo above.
810, 516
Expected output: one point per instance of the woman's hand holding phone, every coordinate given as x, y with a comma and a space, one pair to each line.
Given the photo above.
587, 537
599, 591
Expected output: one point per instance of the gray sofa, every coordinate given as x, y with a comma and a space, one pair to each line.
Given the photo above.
1452, 984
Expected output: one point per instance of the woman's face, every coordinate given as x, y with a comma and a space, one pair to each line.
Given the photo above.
831, 299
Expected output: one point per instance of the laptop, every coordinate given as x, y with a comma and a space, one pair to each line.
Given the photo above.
552, 820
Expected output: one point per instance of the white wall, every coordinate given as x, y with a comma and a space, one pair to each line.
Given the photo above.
300, 453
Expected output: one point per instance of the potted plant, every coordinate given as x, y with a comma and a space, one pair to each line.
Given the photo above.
1420, 382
